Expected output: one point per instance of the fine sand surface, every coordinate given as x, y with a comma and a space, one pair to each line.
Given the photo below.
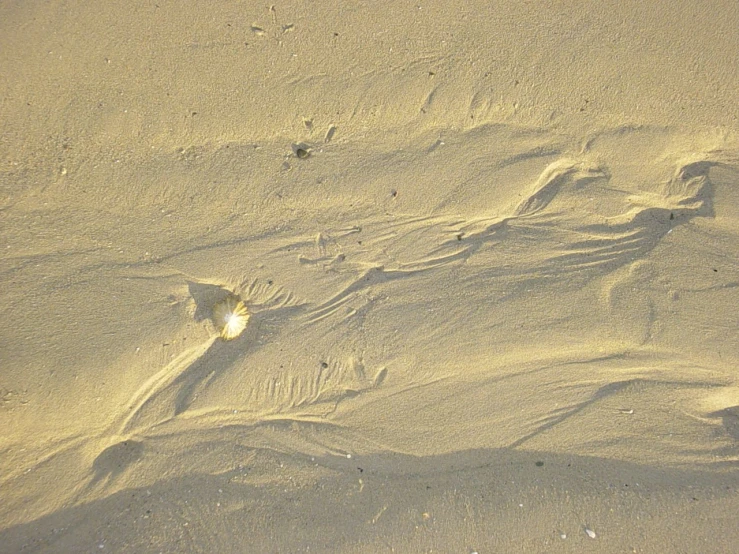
490, 254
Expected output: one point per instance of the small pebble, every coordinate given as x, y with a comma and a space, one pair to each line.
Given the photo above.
590, 533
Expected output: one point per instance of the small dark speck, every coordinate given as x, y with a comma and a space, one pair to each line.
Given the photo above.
360, 470
270, 282
539, 464
672, 216
324, 365
715, 270
302, 153
459, 236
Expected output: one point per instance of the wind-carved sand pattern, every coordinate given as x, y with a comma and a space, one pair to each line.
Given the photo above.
363, 262
310, 392
345, 349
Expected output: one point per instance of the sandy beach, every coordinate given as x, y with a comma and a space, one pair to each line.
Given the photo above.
369, 277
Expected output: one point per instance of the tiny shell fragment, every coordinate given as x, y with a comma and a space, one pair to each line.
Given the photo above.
590, 533
230, 317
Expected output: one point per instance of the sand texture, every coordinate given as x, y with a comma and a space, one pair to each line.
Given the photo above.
488, 260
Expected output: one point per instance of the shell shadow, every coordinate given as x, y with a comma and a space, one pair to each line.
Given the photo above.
116, 459
206, 296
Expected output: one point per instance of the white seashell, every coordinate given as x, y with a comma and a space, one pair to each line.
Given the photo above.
230, 317
590, 533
